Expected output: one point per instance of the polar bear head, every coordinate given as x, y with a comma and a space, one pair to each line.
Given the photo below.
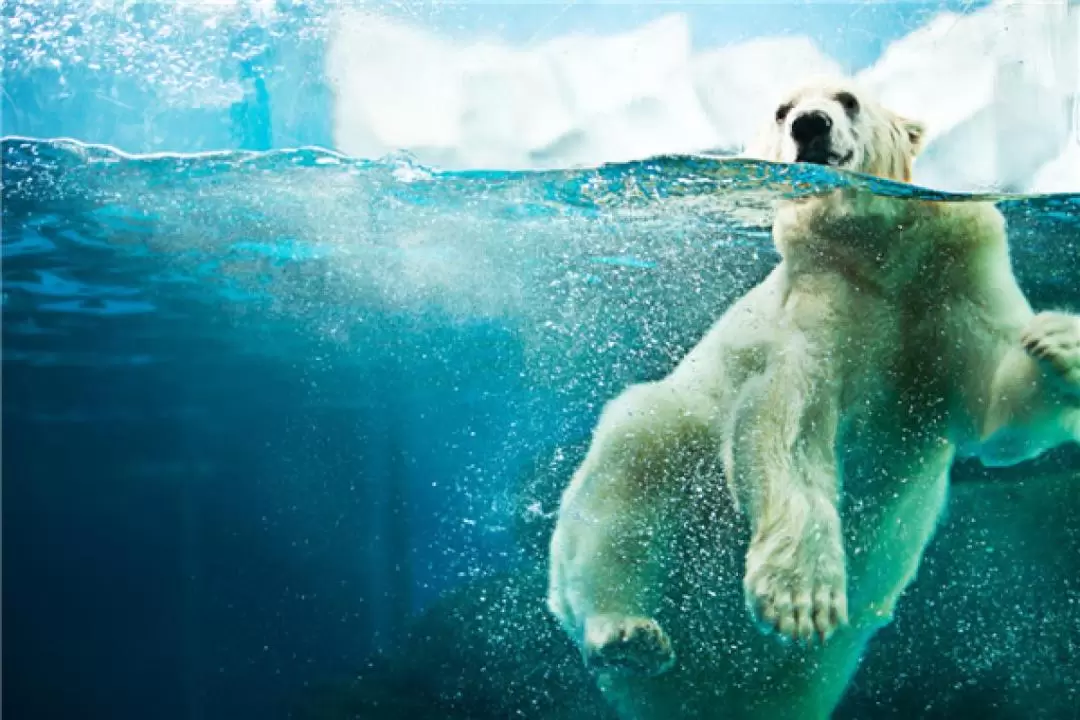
834, 123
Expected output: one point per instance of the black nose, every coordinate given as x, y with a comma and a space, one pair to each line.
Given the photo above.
811, 125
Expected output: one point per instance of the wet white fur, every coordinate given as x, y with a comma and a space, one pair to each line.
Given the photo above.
795, 463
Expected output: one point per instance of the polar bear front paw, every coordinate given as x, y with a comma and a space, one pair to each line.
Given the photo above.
629, 645
795, 594
1054, 340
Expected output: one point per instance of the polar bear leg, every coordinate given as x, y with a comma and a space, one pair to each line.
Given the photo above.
607, 552
784, 460
1034, 397
1053, 339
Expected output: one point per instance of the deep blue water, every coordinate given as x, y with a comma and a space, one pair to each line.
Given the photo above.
261, 408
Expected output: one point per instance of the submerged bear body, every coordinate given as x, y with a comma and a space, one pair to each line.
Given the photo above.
739, 530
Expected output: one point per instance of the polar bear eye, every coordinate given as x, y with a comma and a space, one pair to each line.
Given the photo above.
782, 112
849, 102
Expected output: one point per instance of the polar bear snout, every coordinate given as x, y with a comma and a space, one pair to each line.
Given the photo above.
812, 133
810, 127
818, 128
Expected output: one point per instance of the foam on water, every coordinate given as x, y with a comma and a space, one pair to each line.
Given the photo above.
316, 236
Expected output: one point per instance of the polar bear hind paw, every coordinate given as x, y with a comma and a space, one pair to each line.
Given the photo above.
627, 645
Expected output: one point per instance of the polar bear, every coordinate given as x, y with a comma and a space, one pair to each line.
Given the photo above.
795, 463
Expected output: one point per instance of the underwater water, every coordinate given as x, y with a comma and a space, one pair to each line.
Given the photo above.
284, 433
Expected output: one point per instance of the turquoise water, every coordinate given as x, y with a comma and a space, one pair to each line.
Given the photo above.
262, 411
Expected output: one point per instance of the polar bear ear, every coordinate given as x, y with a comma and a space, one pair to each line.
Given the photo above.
915, 132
